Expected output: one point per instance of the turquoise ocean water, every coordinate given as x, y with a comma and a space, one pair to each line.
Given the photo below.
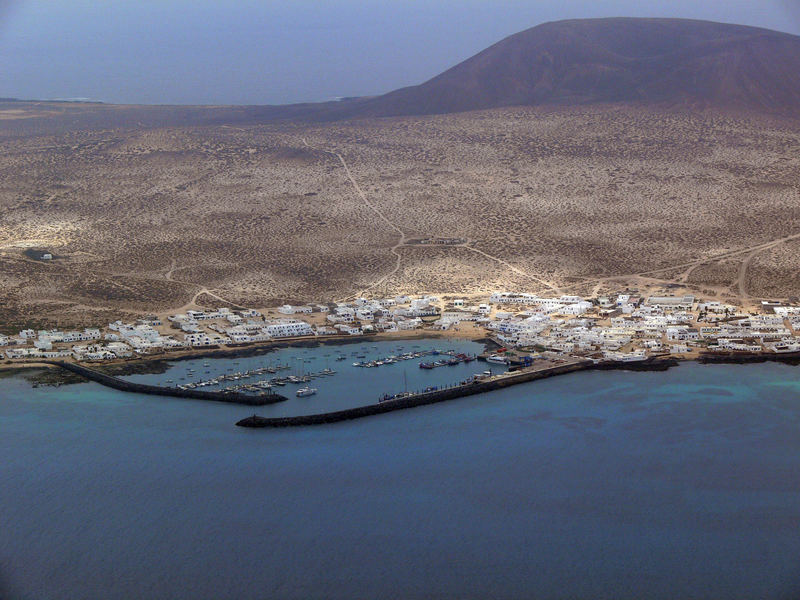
681, 484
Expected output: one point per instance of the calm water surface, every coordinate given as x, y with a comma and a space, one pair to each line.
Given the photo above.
684, 484
350, 386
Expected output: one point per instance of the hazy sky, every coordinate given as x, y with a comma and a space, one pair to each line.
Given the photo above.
271, 52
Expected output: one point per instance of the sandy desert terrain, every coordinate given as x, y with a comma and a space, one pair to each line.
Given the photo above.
158, 213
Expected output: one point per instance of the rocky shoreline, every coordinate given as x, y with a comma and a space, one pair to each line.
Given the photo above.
742, 358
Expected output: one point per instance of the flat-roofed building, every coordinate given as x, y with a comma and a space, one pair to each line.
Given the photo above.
671, 302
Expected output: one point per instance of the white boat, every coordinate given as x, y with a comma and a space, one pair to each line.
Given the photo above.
306, 391
497, 359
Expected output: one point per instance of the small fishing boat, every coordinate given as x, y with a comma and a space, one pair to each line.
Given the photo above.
306, 391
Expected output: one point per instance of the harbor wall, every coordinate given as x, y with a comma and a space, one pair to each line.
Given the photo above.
422, 399
141, 388
478, 387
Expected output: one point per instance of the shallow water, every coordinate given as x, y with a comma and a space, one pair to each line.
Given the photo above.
682, 484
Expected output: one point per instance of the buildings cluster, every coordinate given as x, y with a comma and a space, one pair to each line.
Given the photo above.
629, 327
221, 327
622, 327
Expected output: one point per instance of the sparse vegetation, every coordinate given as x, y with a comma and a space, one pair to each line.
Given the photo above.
582, 200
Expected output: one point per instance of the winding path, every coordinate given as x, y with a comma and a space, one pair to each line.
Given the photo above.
740, 281
402, 240
213, 295
516, 270
168, 274
383, 217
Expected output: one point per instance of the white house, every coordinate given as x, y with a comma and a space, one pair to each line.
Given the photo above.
197, 339
288, 328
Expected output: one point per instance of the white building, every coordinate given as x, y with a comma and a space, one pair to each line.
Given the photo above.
197, 339
671, 302
406, 324
288, 328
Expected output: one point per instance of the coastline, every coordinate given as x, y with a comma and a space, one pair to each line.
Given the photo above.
71, 372
130, 366
158, 363
108, 373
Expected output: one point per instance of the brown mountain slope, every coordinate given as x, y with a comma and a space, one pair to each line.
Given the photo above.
663, 61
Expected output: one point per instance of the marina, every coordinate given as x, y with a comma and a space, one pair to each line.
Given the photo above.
222, 381
348, 385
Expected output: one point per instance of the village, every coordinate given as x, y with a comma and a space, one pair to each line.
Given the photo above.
625, 327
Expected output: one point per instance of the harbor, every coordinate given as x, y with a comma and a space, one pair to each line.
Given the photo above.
294, 391
334, 372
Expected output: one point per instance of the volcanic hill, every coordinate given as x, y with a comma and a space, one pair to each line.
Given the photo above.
697, 64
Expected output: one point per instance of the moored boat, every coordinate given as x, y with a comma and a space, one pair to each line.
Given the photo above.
497, 359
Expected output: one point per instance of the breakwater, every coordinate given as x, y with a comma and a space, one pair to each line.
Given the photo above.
421, 399
475, 387
140, 388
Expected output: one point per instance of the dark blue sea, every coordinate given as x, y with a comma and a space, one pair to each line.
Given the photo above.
677, 484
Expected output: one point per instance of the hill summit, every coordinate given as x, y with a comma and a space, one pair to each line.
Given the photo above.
651, 61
